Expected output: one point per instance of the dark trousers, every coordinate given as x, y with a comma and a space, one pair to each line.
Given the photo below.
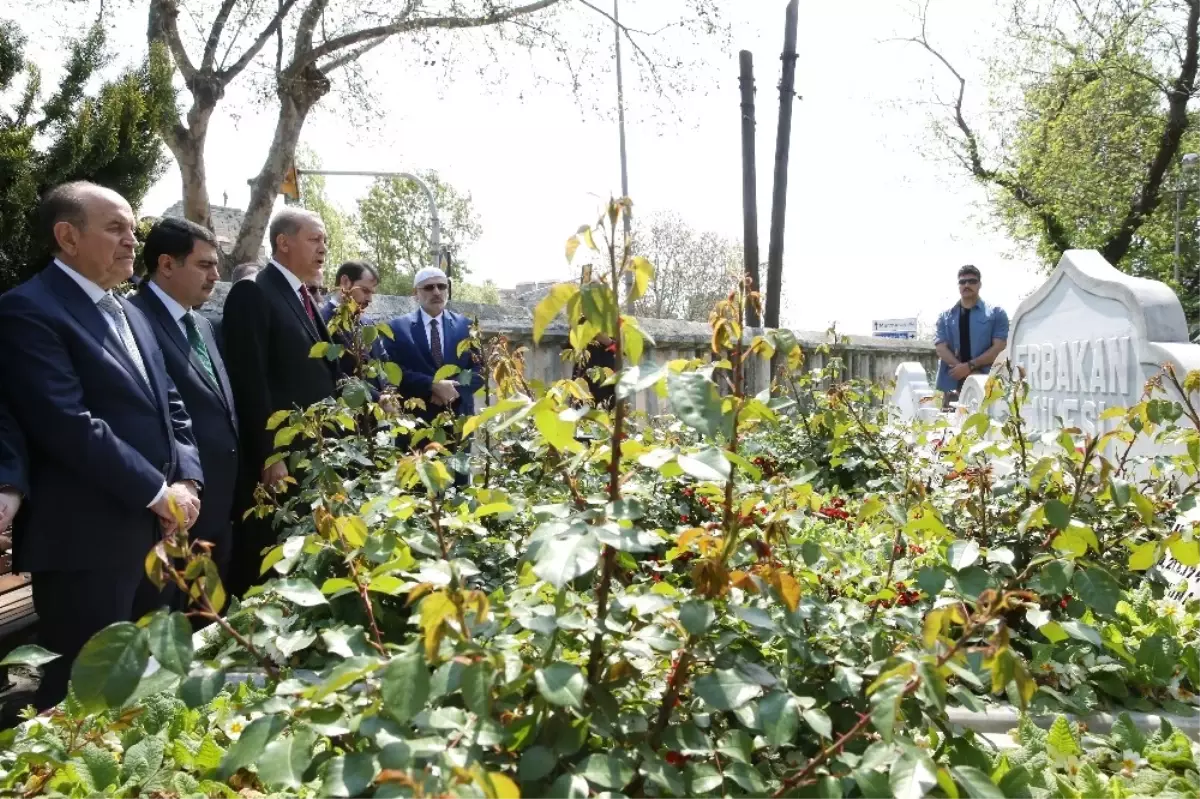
72, 606
250, 537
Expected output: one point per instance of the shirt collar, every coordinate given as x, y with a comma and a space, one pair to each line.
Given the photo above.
980, 306
292, 280
176, 310
426, 318
94, 292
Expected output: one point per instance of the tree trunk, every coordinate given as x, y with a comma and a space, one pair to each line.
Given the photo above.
296, 98
187, 145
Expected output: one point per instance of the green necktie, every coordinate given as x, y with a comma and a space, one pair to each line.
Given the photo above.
196, 342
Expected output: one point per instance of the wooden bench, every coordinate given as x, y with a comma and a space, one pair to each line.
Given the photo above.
16, 606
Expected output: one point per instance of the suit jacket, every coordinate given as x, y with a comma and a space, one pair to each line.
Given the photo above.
409, 348
268, 336
101, 441
210, 405
14, 466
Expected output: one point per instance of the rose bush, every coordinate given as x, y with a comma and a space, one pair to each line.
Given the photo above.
776, 593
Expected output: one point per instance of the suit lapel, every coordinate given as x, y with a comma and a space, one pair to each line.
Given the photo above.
292, 300
79, 305
214, 354
418, 335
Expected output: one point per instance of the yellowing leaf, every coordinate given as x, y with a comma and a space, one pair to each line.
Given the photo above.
936, 622
319, 349
572, 246
643, 272
558, 433
353, 529
447, 371
496, 785
587, 238
788, 588
1186, 552
1071, 544
633, 343
276, 419
549, 308
1143, 556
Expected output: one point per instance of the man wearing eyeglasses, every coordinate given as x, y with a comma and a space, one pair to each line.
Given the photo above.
426, 340
969, 336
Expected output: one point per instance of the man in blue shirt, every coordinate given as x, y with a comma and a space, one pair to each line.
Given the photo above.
969, 336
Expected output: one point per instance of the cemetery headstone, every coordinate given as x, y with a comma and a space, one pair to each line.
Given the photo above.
913, 398
1090, 338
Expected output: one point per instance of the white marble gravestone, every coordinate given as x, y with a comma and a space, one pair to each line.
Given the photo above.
1090, 338
912, 397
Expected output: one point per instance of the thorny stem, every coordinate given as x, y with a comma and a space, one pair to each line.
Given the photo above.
675, 684
870, 437
865, 718
376, 636
455, 584
596, 656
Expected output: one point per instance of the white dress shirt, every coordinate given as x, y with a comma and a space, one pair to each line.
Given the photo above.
95, 294
176, 310
293, 281
425, 320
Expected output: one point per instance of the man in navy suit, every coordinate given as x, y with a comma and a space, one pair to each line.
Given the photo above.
426, 340
14, 472
110, 444
181, 270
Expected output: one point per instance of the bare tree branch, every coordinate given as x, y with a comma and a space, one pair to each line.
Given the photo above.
275, 25
214, 34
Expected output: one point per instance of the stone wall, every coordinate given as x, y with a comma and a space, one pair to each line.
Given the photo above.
864, 357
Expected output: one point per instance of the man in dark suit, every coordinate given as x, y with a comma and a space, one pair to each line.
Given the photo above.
426, 340
270, 325
181, 270
14, 469
109, 441
358, 280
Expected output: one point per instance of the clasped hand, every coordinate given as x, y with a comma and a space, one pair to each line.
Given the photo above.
444, 392
960, 372
185, 498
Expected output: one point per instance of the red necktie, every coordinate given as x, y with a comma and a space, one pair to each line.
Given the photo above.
306, 298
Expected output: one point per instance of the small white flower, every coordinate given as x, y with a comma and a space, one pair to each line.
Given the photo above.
1069, 764
1130, 760
234, 726
1178, 692
1171, 609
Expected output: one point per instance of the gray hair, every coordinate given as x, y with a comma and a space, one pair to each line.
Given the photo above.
288, 221
243, 271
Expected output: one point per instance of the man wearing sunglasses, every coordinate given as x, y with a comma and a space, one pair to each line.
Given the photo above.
426, 340
969, 336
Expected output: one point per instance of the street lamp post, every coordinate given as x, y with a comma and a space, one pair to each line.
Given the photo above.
1188, 164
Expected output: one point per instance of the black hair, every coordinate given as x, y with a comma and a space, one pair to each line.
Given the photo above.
969, 270
355, 270
174, 237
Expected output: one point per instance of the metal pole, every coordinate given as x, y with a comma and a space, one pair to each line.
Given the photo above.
628, 279
749, 181
782, 141
1178, 212
435, 237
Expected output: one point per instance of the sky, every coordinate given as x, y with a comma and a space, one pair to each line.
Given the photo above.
877, 225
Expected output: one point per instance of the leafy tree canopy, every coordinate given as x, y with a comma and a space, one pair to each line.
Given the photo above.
108, 137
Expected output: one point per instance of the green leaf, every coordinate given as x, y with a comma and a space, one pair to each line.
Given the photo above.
99, 770
569, 786
707, 464
1159, 655
1119, 489
912, 776
1126, 735
349, 776
558, 432
962, 554
1081, 632
404, 685
110, 666
1060, 740
665, 776
393, 373
695, 400
561, 684
1057, 513
607, 771
142, 761
285, 759
780, 719
199, 687
536, 762
567, 555
885, 706
1098, 590
696, 616
301, 591
819, 720
476, 687
977, 784
170, 638
248, 748
726, 689
1186, 552
209, 755
550, 307
28, 655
